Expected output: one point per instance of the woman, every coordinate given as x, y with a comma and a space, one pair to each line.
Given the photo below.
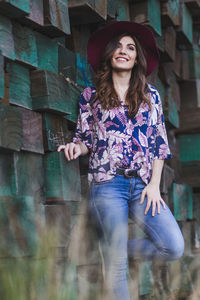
121, 125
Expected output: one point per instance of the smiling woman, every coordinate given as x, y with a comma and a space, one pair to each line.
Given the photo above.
121, 126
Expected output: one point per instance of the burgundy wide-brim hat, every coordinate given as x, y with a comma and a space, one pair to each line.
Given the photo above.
101, 37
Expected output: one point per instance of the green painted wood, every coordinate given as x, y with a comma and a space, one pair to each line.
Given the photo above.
25, 44
32, 138
51, 92
184, 31
194, 62
55, 131
87, 11
47, 51
74, 95
36, 17
62, 178
170, 12
66, 63
28, 176
145, 278
147, 12
172, 115
56, 17
118, 9
19, 85
162, 91
11, 128
189, 147
14, 8
84, 71
6, 163
181, 199
6, 38
1, 76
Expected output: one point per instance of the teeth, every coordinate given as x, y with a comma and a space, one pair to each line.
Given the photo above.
122, 59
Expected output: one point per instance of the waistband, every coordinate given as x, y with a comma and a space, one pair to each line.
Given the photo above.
128, 173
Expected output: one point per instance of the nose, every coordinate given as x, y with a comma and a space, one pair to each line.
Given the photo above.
122, 50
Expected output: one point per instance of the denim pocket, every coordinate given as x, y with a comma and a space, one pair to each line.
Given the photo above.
103, 182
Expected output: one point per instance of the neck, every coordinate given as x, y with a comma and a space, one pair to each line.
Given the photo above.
121, 81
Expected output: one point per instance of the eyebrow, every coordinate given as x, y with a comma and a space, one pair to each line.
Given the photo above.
130, 44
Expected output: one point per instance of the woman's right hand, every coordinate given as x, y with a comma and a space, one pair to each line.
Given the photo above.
71, 150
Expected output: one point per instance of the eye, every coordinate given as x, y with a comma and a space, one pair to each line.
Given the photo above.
131, 48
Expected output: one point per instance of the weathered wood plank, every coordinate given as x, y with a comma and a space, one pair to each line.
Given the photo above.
67, 63
147, 12
47, 53
184, 31
32, 139
190, 94
189, 147
6, 38
87, 11
84, 71
177, 63
28, 176
180, 197
56, 132
51, 92
189, 121
146, 278
170, 13
11, 128
169, 35
25, 44
194, 62
118, 10
62, 178
14, 8
190, 173
56, 17
171, 111
19, 85
35, 18
184, 65
1, 76
167, 179
193, 6
6, 163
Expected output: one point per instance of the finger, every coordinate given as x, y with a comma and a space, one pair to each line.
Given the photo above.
163, 203
77, 151
142, 196
67, 151
147, 207
153, 208
61, 147
71, 150
158, 207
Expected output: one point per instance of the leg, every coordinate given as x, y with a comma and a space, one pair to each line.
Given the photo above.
164, 239
110, 212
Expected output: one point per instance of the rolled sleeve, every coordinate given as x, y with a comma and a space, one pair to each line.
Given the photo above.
83, 132
162, 150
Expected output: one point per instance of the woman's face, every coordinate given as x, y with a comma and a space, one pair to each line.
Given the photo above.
124, 57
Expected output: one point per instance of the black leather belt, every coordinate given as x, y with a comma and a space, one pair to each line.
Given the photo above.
127, 172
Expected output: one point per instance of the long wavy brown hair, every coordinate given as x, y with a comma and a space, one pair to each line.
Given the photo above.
138, 87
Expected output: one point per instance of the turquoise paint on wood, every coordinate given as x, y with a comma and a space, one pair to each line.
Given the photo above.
118, 9
6, 38
56, 15
67, 63
55, 131
1, 76
6, 163
19, 85
74, 94
62, 178
28, 176
145, 278
15, 6
187, 23
25, 44
47, 51
162, 91
154, 15
180, 197
10, 128
51, 92
172, 112
189, 147
194, 62
84, 71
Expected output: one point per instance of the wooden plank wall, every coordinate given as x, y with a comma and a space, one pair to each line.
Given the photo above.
43, 198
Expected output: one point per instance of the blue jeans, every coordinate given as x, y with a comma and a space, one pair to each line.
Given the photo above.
111, 203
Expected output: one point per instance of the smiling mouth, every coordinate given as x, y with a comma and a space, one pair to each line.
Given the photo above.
121, 59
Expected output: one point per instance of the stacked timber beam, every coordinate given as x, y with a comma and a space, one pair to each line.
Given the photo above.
43, 69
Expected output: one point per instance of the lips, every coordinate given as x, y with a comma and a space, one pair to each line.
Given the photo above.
121, 59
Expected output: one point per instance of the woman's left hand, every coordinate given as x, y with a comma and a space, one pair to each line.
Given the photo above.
152, 192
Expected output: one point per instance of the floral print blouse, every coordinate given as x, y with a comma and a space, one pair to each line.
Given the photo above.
117, 141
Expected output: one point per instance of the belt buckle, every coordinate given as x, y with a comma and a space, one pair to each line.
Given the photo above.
126, 173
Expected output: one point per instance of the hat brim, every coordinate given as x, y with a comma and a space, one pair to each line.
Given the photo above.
101, 37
